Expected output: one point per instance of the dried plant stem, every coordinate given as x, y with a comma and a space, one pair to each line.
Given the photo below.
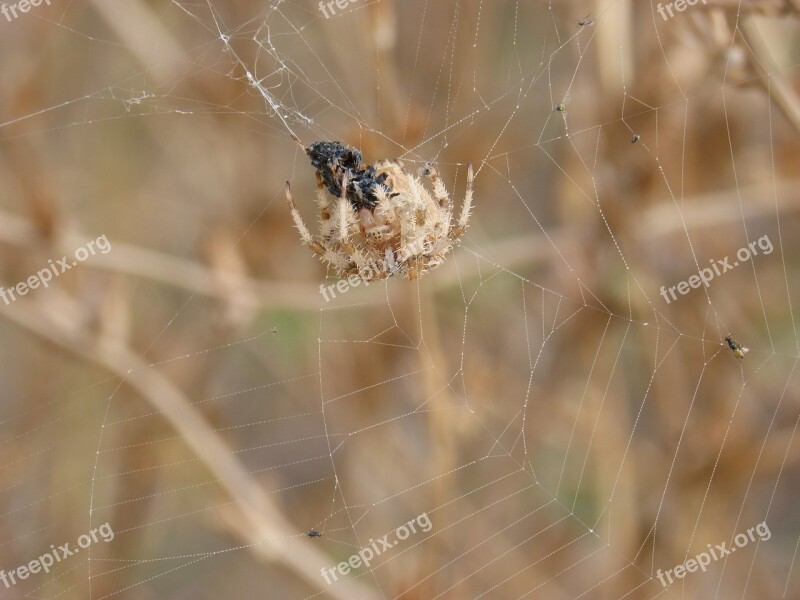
769, 72
162, 268
659, 221
272, 536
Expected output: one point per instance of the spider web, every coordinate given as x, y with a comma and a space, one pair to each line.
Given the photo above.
567, 431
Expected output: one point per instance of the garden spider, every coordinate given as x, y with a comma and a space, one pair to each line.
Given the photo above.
379, 220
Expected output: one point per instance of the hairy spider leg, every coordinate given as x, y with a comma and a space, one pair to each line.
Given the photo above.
335, 258
466, 207
444, 203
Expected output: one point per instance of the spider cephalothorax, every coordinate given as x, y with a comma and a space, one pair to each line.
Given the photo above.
379, 219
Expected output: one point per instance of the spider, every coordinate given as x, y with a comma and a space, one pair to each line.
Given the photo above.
377, 220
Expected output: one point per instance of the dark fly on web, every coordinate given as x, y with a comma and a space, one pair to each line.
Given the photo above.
738, 350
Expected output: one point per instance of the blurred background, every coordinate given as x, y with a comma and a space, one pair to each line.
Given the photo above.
566, 430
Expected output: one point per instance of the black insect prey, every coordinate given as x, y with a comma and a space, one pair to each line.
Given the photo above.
333, 159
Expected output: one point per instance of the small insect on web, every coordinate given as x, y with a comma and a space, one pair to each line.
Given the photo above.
738, 350
313, 533
587, 21
378, 220
562, 106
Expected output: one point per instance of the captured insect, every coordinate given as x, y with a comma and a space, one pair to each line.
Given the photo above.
738, 350
635, 138
313, 533
562, 106
274, 330
587, 21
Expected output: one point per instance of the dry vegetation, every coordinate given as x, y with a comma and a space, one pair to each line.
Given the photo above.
191, 348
